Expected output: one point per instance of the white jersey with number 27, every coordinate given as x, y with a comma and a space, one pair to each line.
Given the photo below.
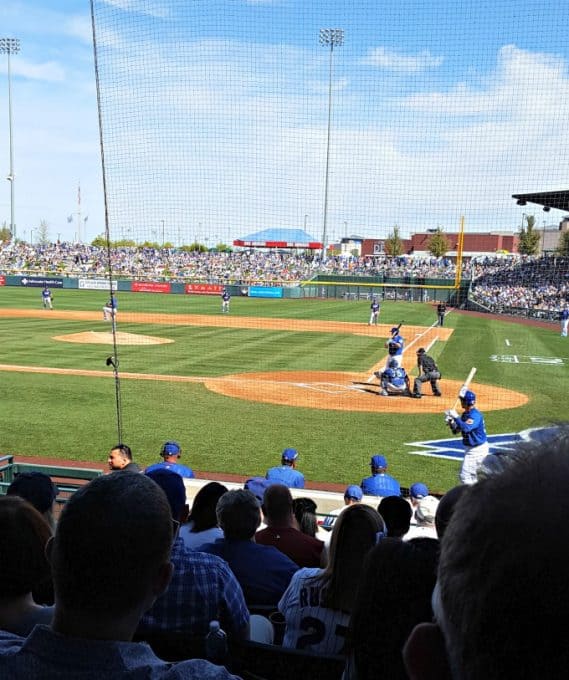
310, 626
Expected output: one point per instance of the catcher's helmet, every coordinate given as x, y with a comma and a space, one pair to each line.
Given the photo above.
393, 363
394, 329
468, 398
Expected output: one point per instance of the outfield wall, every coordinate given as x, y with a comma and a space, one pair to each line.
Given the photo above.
329, 287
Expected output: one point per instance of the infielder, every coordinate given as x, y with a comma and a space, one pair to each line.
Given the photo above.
110, 309
471, 425
225, 298
564, 322
47, 300
394, 380
428, 372
374, 315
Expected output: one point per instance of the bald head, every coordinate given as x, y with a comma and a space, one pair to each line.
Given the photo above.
277, 506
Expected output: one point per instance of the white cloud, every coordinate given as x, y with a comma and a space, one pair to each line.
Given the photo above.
401, 63
49, 71
158, 9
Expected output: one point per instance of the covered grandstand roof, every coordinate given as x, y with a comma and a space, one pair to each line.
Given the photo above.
548, 199
278, 238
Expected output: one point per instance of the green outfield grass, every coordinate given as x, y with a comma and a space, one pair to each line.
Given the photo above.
74, 418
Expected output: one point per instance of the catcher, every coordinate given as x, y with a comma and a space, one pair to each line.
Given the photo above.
428, 372
394, 380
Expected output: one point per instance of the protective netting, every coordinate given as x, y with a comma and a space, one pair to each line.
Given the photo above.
337, 118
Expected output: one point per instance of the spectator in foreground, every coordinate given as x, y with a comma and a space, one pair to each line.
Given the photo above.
281, 531
425, 519
286, 473
120, 458
395, 595
262, 571
202, 524
501, 599
107, 573
396, 513
38, 489
24, 534
325, 597
306, 519
171, 452
380, 483
446, 507
202, 589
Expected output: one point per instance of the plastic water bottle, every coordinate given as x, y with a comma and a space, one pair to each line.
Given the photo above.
216, 644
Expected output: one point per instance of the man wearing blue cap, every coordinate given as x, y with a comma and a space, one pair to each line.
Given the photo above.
286, 473
171, 452
352, 495
380, 483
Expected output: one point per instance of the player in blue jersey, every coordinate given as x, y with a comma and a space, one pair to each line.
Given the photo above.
475, 441
225, 298
374, 312
394, 380
380, 483
47, 298
171, 452
110, 309
286, 473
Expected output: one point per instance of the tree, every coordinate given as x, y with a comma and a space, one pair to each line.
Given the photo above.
393, 243
438, 244
43, 233
100, 241
529, 237
563, 246
5, 233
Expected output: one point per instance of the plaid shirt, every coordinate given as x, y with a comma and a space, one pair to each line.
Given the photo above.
203, 588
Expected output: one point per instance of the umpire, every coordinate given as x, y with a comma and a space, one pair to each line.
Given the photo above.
428, 371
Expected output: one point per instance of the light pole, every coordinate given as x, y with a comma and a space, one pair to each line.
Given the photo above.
305, 219
163, 239
10, 46
32, 237
329, 37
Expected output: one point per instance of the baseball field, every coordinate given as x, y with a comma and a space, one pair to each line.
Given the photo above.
235, 389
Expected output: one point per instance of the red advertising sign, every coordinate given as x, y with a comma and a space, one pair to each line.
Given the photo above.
150, 287
2, 280
204, 288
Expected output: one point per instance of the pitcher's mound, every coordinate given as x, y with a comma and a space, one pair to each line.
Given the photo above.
95, 338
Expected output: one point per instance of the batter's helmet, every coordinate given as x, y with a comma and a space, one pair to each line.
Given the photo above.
421, 350
393, 363
468, 398
394, 329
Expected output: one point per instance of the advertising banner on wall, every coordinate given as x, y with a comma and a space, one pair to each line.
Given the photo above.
2, 280
150, 287
204, 288
263, 292
96, 284
40, 282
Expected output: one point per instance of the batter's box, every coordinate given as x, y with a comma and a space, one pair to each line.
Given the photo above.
327, 388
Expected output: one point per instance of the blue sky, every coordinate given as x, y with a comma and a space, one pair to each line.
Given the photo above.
215, 115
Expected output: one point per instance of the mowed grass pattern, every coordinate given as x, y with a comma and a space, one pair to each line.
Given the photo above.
75, 417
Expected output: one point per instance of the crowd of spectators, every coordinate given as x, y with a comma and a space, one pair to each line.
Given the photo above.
460, 601
539, 286
240, 266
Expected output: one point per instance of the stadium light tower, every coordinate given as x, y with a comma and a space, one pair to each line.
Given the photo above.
329, 37
10, 46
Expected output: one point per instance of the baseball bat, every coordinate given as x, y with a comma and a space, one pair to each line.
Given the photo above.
465, 386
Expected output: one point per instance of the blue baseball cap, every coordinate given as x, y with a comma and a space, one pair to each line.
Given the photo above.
418, 490
290, 454
378, 461
257, 486
173, 486
171, 449
354, 492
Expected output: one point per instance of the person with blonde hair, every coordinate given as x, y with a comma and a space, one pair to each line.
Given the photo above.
318, 602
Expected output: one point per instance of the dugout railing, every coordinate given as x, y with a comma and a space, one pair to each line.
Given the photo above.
68, 479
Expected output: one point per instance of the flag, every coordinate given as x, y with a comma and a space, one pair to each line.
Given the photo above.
78, 194
70, 218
